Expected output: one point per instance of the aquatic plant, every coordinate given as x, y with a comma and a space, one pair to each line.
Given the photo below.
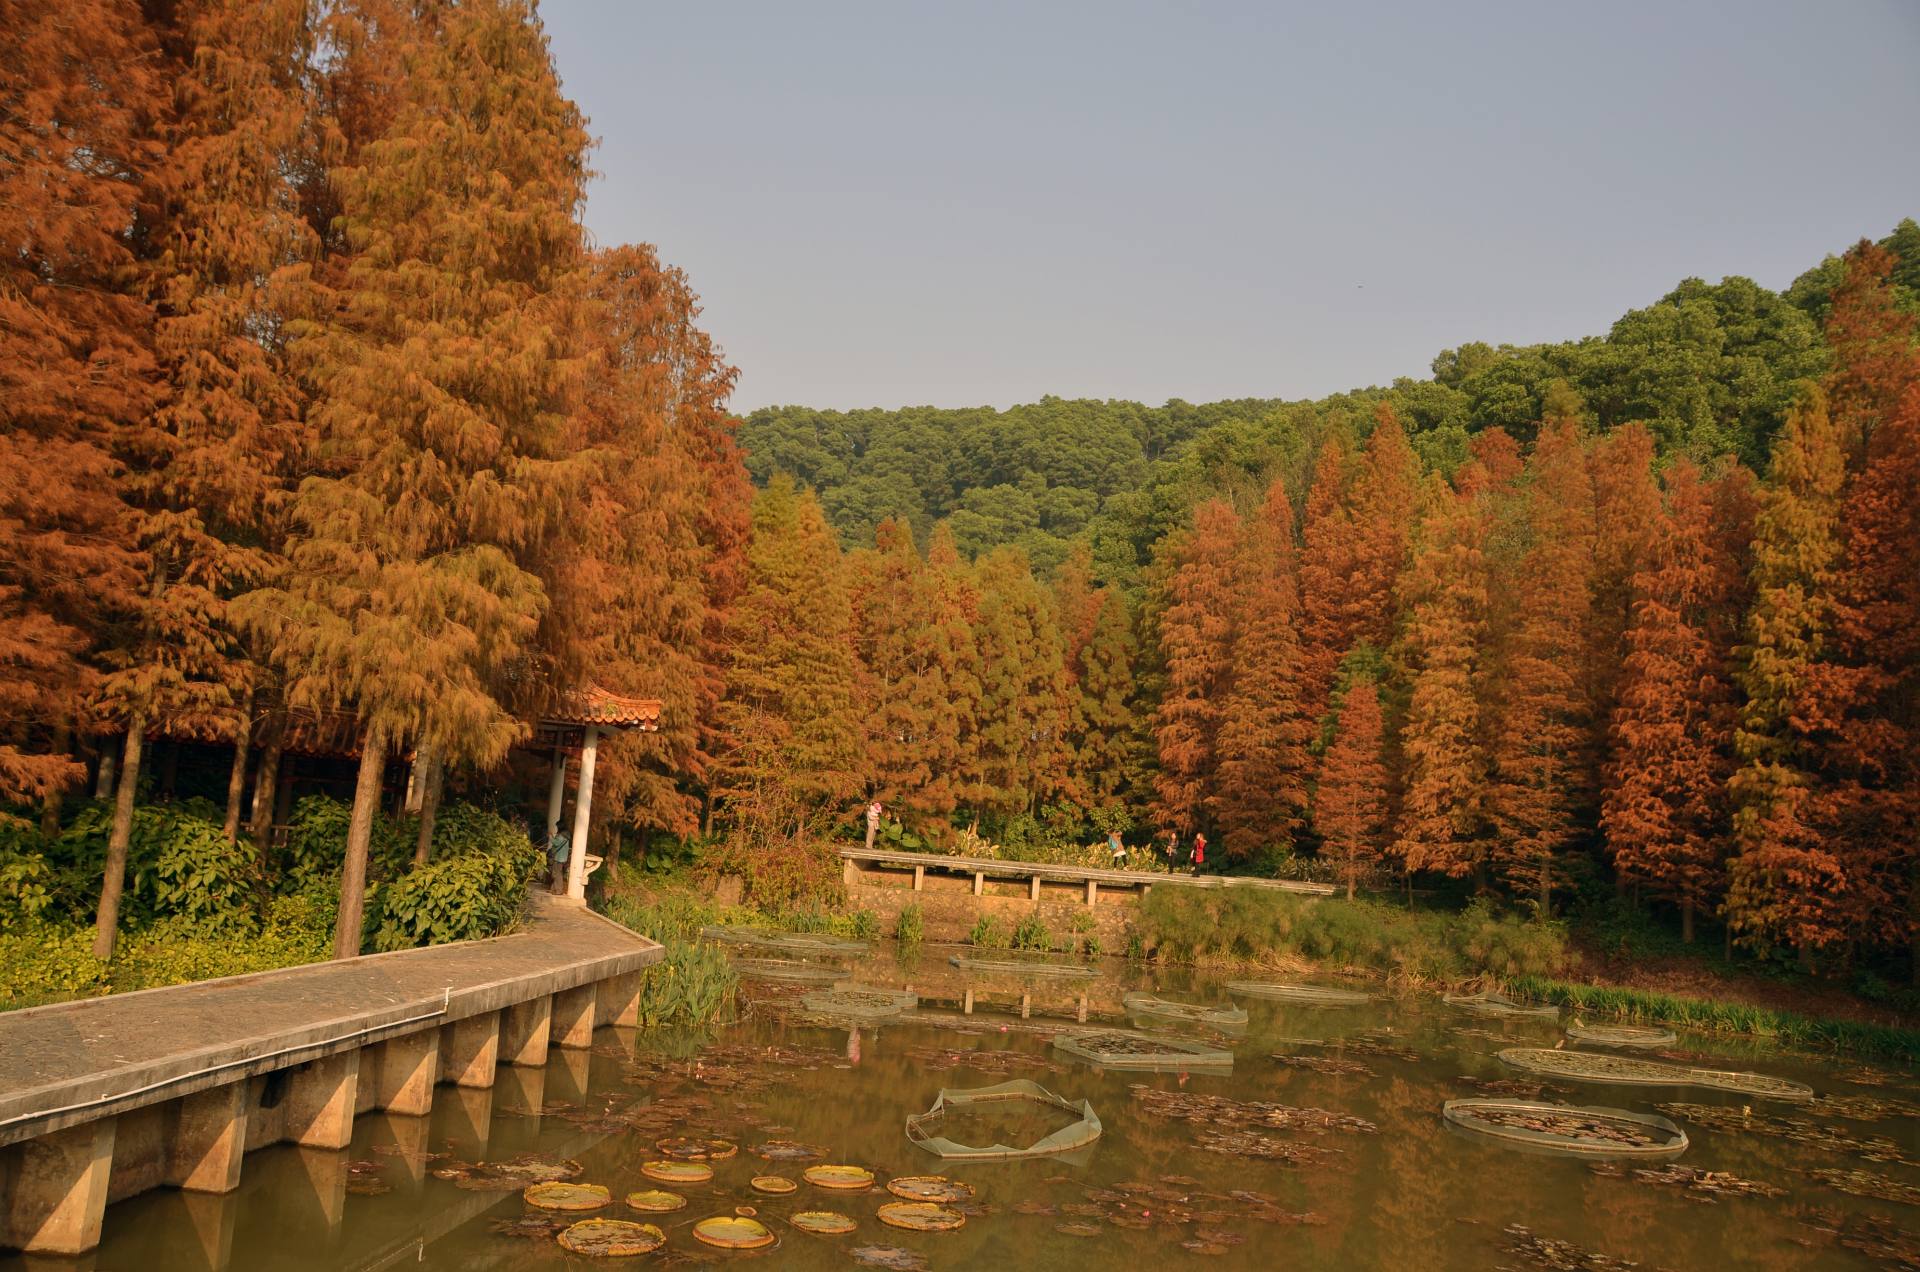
693, 985
1790, 1028
910, 928
988, 933
1031, 933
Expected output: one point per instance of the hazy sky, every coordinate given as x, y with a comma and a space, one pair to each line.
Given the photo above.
900, 203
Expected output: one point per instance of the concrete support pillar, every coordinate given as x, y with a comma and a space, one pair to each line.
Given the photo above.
556, 792
919, 878
1093, 892
582, 818
407, 1068
412, 1137
567, 1076
966, 1004
523, 1091
465, 1117
470, 1050
1026, 1006
1033, 888
573, 1018
212, 1219
1081, 1014
619, 1001
59, 1189
326, 1176
208, 1139
979, 883
524, 1031
318, 1104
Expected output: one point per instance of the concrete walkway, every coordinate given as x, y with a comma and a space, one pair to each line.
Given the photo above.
77, 1062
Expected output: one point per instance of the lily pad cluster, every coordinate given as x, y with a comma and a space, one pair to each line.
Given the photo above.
1699, 1185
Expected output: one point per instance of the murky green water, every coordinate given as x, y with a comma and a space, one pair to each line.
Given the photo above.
1408, 1195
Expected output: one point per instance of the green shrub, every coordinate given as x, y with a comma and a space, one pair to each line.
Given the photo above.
1031, 934
316, 844
179, 865
988, 934
26, 888
474, 893
911, 927
48, 963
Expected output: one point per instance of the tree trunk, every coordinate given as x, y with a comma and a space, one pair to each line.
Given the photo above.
1349, 887
237, 780
353, 875
429, 808
1686, 921
612, 864
107, 923
50, 809
265, 788
103, 780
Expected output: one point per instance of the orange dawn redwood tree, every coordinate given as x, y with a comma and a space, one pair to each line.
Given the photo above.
82, 107
1022, 719
1196, 642
1788, 883
1443, 818
1259, 799
1665, 811
1326, 577
1350, 804
441, 378
1107, 747
1538, 785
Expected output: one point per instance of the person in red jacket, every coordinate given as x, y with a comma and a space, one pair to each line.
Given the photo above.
1199, 852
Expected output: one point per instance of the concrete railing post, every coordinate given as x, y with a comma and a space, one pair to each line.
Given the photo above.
209, 1139
318, 1105
470, 1050
407, 1068
59, 1189
525, 1030
573, 1018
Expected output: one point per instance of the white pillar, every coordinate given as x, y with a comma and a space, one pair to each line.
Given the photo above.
582, 818
556, 793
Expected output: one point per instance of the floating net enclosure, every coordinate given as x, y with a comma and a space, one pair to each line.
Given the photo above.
1120, 1049
927, 1129
1026, 967
1311, 995
1575, 1130
813, 943
1621, 1035
787, 969
1491, 1004
1227, 1017
859, 1002
1591, 1066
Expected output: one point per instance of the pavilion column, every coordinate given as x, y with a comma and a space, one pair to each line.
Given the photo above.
556, 791
582, 818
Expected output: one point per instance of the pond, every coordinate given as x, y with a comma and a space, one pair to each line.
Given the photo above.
1322, 1148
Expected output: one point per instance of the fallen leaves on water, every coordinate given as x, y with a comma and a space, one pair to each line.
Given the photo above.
1716, 1117
1865, 1183
507, 1176
1874, 1236
892, 1257
1861, 1108
1699, 1185
1219, 1111
1330, 1065
1559, 1256
997, 1063
1078, 1229
538, 1227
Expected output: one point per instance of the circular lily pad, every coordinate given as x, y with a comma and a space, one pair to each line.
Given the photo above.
929, 1188
656, 1201
776, 1184
921, 1216
611, 1238
733, 1232
893, 1258
696, 1148
847, 1177
562, 1196
678, 1172
826, 1223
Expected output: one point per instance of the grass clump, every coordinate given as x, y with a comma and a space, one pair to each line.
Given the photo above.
911, 927
1785, 1027
988, 934
1031, 934
1188, 926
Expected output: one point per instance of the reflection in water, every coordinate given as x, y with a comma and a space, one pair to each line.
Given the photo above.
1406, 1195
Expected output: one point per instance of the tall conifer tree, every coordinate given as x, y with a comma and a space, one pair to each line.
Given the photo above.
1022, 724
1196, 644
1542, 736
1260, 797
1105, 730
1788, 883
441, 378
1326, 578
1350, 805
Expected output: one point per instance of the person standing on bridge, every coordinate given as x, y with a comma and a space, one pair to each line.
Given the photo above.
1199, 851
1117, 849
873, 823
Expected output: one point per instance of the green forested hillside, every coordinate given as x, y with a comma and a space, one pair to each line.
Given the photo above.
1709, 367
